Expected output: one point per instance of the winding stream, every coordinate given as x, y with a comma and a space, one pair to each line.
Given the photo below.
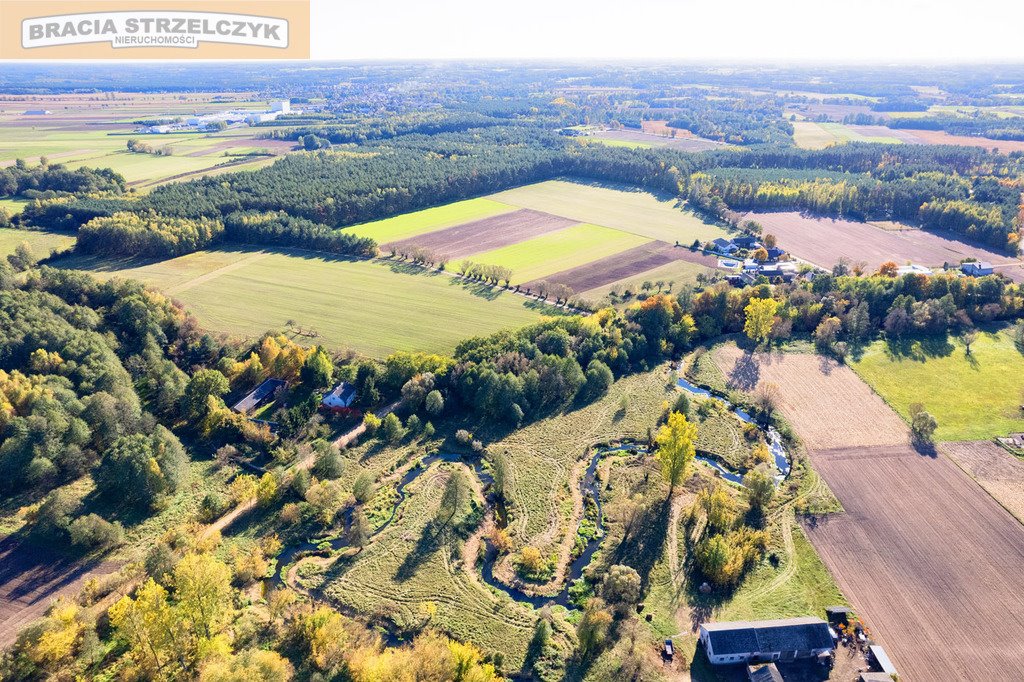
589, 488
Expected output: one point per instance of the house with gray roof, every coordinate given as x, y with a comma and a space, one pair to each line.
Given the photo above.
786, 639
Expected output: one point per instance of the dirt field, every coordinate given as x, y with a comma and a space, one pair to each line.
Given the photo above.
31, 578
683, 141
487, 234
823, 241
996, 470
928, 559
942, 137
815, 394
626, 264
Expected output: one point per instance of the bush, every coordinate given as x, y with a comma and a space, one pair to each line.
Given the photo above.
93, 531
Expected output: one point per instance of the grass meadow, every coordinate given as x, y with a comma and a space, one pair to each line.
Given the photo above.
40, 242
372, 307
972, 397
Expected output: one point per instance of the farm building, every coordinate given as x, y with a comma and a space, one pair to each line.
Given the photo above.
880, 660
263, 393
976, 268
767, 672
723, 245
874, 677
746, 241
38, 112
838, 614
341, 399
913, 269
787, 639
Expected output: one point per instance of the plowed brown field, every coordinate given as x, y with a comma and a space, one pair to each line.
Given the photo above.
478, 236
827, 404
996, 470
928, 559
823, 241
626, 264
31, 578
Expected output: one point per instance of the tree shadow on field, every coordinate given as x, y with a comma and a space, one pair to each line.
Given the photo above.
429, 542
919, 348
644, 545
478, 289
745, 373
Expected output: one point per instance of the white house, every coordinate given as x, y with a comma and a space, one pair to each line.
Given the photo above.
787, 639
341, 398
976, 268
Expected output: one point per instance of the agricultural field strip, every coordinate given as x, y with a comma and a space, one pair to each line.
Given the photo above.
823, 241
935, 377
559, 251
40, 242
430, 219
923, 569
625, 264
996, 470
363, 305
815, 393
479, 236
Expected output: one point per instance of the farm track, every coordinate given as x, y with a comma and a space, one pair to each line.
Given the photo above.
214, 274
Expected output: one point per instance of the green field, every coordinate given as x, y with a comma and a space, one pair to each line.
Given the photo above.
560, 250
13, 206
430, 219
810, 135
104, 148
40, 242
620, 207
972, 398
368, 306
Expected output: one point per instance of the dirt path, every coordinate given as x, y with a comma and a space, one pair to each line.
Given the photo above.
345, 439
214, 274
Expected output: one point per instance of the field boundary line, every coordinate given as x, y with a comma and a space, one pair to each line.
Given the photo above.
214, 274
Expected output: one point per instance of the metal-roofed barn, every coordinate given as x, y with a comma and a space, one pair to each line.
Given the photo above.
766, 640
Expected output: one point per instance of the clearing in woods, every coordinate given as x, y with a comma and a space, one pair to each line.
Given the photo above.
927, 558
815, 394
369, 306
41, 243
972, 396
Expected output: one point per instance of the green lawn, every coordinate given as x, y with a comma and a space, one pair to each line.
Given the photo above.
972, 398
430, 219
620, 207
41, 242
560, 250
369, 306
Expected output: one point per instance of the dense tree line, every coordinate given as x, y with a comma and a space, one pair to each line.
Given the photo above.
56, 179
281, 229
979, 125
360, 131
147, 235
741, 120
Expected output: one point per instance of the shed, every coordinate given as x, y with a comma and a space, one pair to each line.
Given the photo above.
875, 677
767, 672
838, 614
880, 659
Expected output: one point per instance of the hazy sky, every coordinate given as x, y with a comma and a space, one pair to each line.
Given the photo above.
816, 30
